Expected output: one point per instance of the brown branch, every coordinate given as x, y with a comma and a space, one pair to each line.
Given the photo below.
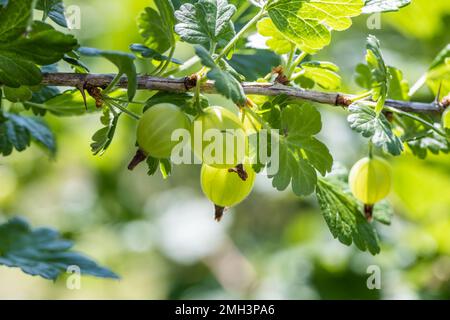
264, 89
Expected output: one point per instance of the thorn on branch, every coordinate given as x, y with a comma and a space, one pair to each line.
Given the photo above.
82, 87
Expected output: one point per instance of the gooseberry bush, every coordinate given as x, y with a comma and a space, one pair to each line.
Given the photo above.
277, 91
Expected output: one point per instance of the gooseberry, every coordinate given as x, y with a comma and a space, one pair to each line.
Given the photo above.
224, 187
155, 128
219, 138
370, 180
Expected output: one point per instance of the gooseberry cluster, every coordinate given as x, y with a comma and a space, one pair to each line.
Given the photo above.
225, 180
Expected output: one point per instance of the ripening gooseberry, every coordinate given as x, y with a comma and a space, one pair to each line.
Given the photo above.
155, 128
225, 188
370, 180
219, 138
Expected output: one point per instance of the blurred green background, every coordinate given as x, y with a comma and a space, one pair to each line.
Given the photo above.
160, 236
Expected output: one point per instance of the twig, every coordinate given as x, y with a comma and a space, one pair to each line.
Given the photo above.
264, 89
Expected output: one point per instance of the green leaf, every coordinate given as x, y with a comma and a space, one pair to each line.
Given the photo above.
42, 45
42, 95
300, 121
225, 83
379, 72
20, 94
363, 119
153, 165
421, 140
148, 53
15, 136
42, 252
431, 143
315, 152
276, 41
321, 73
73, 59
307, 23
438, 75
68, 103
53, 9
252, 69
156, 26
374, 6
102, 138
363, 76
205, 22
17, 131
300, 154
383, 212
14, 19
344, 218
123, 61
398, 86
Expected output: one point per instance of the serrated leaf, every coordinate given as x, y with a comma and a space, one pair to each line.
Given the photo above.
16, 132
153, 165
321, 73
15, 17
300, 154
300, 121
438, 75
103, 138
307, 23
205, 22
43, 45
398, 86
20, 94
364, 119
225, 83
36, 128
374, 6
344, 218
383, 212
42, 252
68, 103
315, 152
123, 61
432, 143
156, 26
39, 97
421, 140
252, 69
379, 72
148, 53
276, 40
363, 76
73, 59
15, 136
53, 9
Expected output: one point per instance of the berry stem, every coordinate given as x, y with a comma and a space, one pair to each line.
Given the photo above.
137, 159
